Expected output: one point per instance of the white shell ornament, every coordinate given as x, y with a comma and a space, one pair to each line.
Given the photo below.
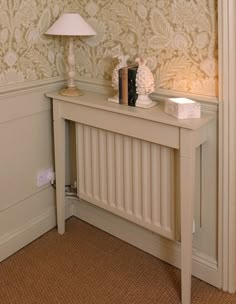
145, 84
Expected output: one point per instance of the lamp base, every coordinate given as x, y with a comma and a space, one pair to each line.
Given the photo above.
70, 91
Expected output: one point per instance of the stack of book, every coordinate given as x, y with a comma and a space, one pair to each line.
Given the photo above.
127, 85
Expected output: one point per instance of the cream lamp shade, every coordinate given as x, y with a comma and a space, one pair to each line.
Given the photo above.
71, 24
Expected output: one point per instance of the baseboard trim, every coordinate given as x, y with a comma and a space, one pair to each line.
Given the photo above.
204, 267
22, 236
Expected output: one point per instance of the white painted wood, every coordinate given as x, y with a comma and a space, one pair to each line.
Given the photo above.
87, 161
28, 231
227, 143
24, 211
189, 136
119, 172
22, 106
111, 167
167, 188
59, 143
28, 87
95, 163
206, 199
26, 104
145, 180
128, 176
104, 87
103, 166
137, 178
80, 161
187, 193
129, 184
71, 170
164, 186
98, 101
26, 147
26, 110
100, 120
156, 180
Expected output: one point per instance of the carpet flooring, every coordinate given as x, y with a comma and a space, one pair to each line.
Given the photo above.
89, 266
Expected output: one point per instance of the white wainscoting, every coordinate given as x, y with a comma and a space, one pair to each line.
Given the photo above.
17, 238
26, 212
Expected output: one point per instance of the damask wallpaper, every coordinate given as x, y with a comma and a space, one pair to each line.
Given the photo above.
177, 37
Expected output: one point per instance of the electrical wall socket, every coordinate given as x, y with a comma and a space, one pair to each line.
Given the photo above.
45, 176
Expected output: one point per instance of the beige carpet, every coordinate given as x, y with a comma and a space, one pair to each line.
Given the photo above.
88, 266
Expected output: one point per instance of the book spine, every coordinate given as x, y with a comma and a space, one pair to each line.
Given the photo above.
132, 93
125, 85
120, 85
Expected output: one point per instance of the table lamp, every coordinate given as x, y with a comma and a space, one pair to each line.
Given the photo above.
71, 25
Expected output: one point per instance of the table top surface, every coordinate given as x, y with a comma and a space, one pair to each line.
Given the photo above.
156, 113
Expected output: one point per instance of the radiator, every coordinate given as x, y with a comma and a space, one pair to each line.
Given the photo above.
129, 177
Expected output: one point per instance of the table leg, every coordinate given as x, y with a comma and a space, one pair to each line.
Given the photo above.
59, 146
187, 186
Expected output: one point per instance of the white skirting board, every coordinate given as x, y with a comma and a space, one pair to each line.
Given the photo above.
22, 236
204, 267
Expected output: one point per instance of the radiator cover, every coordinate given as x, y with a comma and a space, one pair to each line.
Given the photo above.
129, 177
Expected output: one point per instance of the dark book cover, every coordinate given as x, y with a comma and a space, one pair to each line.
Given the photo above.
120, 85
132, 94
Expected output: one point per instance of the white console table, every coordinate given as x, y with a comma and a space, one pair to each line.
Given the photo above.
150, 125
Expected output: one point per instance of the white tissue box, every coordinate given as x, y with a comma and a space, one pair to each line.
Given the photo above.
182, 108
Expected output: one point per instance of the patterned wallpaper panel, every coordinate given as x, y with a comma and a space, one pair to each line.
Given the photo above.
25, 53
177, 37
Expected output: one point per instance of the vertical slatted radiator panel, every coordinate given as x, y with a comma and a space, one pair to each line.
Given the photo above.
129, 177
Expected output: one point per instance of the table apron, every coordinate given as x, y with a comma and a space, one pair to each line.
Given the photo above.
140, 128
